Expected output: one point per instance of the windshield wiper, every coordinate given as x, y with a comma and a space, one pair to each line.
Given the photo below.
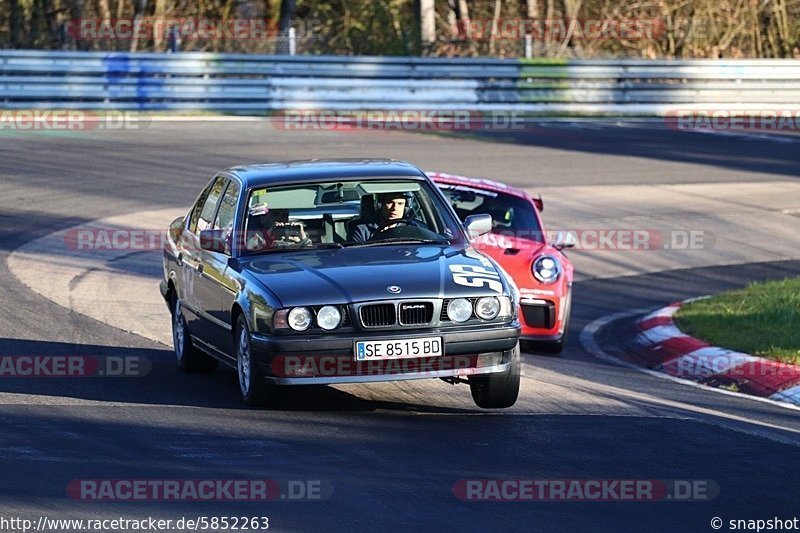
323, 246
398, 240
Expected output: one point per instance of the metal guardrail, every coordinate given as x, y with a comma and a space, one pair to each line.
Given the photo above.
258, 84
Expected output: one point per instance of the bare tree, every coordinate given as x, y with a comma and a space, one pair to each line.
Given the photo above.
138, 12
285, 22
532, 14
686, 28
498, 4
15, 24
427, 23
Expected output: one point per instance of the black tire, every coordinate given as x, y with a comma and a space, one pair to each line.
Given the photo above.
498, 391
251, 382
190, 359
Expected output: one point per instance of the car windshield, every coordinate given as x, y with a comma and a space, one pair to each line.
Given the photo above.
345, 213
511, 215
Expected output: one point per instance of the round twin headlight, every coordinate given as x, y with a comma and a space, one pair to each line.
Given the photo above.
487, 308
546, 269
300, 318
329, 317
459, 310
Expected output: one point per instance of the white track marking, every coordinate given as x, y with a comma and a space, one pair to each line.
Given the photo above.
717, 418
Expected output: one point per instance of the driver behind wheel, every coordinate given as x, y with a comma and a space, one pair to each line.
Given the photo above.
393, 208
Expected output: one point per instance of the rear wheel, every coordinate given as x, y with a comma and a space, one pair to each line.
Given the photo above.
251, 383
190, 359
496, 391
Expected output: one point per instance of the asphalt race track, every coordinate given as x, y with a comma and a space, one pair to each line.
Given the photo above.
392, 453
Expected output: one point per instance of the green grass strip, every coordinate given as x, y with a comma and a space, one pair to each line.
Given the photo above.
762, 319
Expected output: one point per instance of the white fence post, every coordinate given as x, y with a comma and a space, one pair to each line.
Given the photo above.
292, 41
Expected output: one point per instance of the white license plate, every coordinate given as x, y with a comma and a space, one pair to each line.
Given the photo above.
398, 349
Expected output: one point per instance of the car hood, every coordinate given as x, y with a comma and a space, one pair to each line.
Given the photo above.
358, 274
509, 251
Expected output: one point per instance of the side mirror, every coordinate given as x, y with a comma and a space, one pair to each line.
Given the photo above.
213, 240
478, 225
565, 239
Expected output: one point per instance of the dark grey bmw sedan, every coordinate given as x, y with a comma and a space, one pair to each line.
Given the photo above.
338, 271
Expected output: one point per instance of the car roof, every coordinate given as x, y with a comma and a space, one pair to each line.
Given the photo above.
321, 169
478, 183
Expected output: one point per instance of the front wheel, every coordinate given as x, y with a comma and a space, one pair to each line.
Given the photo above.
497, 391
251, 382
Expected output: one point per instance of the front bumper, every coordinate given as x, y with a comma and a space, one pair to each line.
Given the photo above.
329, 359
542, 319
375, 378
541, 338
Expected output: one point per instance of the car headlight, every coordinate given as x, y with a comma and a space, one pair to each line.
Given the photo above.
329, 317
459, 310
546, 268
487, 308
300, 318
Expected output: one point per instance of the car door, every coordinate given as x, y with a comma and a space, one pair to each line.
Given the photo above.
190, 256
216, 286
184, 258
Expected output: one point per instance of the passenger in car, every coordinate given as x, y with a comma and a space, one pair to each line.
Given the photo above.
272, 229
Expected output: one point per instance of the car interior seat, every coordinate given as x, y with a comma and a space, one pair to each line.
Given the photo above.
367, 213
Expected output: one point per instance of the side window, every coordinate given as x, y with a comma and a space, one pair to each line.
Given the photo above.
227, 210
206, 217
198, 206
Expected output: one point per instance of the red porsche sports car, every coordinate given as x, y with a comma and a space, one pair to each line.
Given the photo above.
519, 243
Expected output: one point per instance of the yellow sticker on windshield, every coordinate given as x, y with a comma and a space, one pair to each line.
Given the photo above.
259, 197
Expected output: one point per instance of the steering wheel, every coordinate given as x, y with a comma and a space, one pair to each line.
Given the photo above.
401, 221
